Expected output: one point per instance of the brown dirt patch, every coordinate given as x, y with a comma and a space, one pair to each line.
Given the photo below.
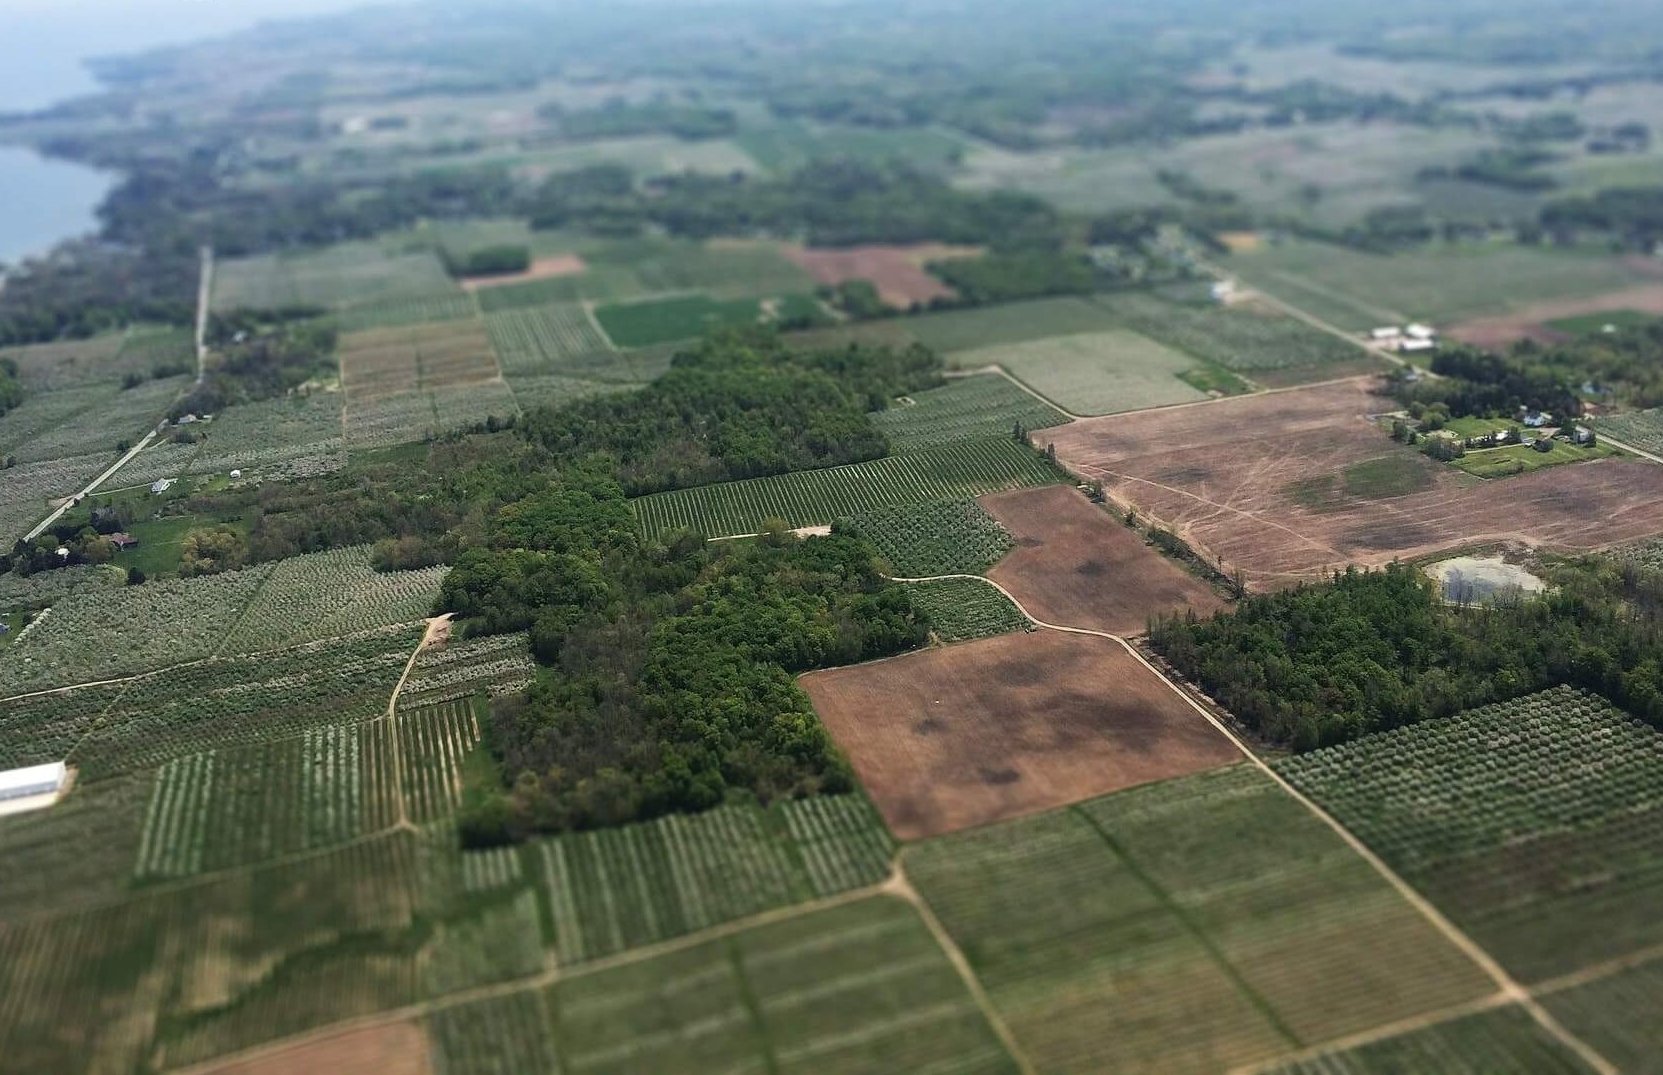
1235, 478
1530, 322
1075, 565
392, 1049
549, 268
1241, 242
897, 271
968, 735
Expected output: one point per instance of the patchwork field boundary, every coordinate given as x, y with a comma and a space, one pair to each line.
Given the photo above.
1508, 989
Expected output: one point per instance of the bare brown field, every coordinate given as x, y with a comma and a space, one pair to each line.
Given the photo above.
1275, 486
1075, 565
951, 738
897, 271
387, 361
1530, 322
391, 1049
550, 268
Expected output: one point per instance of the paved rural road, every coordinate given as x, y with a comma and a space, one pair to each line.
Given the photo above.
95, 483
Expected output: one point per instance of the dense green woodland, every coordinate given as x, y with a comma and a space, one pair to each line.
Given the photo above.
739, 408
1319, 665
671, 662
1625, 367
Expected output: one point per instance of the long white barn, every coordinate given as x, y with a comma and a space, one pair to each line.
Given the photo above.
33, 786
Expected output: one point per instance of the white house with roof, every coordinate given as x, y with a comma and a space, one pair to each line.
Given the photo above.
32, 787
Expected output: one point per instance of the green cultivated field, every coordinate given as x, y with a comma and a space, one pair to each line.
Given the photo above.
325, 594
493, 665
1489, 1043
395, 312
547, 339
230, 701
277, 438
1249, 339
1534, 824
1017, 322
1522, 458
348, 275
1617, 1015
1438, 284
616, 889
965, 609
983, 406
642, 324
1592, 324
1188, 926
1639, 429
818, 497
851, 990
228, 808
947, 537
1095, 373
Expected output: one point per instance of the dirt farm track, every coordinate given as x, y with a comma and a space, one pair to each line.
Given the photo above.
950, 738
1262, 483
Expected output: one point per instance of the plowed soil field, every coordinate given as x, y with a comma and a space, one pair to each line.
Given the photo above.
967, 735
1076, 566
1290, 485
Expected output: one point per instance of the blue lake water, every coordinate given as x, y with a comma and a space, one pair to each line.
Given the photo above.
43, 201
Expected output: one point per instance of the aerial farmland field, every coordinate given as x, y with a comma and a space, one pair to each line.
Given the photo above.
1096, 373
975, 733
948, 537
1531, 823
876, 991
326, 594
351, 274
1077, 566
1287, 486
1506, 1039
1193, 925
819, 497
1439, 285
1250, 338
963, 609
982, 406
546, 339
1011, 323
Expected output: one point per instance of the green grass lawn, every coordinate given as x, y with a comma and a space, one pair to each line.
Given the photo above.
1589, 324
1211, 377
1478, 427
1523, 458
1389, 475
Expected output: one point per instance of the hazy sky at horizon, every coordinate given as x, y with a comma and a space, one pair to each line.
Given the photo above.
43, 42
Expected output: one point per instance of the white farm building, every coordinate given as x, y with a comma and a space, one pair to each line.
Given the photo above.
32, 787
